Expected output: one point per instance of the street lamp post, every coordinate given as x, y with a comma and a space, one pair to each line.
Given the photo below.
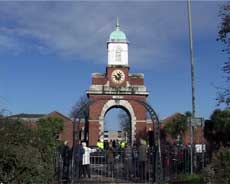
191, 58
192, 80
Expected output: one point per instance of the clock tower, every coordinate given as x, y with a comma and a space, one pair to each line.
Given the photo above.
117, 68
117, 48
117, 88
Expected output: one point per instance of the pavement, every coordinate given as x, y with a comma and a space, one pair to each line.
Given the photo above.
110, 180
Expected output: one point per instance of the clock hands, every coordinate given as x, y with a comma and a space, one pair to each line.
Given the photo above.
118, 76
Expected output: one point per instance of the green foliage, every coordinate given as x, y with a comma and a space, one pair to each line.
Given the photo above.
26, 154
217, 129
48, 129
218, 171
177, 126
190, 178
221, 125
222, 119
223, 95
19, 159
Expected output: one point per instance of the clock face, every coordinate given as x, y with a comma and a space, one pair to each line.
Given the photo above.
118, 76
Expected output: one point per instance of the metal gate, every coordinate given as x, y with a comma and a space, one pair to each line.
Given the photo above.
123, 167
128, 169
152, 167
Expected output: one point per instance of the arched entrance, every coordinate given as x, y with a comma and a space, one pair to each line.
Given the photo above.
124, 104
101, 105
117, 126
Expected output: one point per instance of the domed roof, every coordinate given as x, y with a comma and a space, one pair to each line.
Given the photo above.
117, 35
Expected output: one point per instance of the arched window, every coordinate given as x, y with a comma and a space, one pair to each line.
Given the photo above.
118, 54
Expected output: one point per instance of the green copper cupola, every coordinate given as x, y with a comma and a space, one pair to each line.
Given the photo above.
117, 35
117, 47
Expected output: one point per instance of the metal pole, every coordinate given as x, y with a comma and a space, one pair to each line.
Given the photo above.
73, 150
191, 57
202, 141
191, 146
192, 80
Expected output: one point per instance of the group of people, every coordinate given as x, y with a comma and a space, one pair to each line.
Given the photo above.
134, 158
81, 158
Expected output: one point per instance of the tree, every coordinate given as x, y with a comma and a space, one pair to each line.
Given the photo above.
81, 111
125, 122
221, 126
177, 126
223, 95
15, 167
218, 171
49, 129
26, 154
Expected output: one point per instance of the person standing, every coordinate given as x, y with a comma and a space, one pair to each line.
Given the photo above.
86, 159
66, 156
142, 157
110, 159
78, 155
100, 144
128, 160
135, 160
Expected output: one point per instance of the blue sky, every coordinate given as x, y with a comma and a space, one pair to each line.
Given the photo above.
48, 51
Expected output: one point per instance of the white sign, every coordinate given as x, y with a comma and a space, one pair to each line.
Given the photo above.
198, 148
196, 121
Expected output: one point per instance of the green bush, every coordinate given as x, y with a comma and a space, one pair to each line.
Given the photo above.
218, 171
26, 154
190, 179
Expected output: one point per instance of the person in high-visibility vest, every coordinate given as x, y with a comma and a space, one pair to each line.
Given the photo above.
122, 144
100, 144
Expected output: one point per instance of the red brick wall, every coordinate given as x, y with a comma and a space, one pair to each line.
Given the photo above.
93, 132
133, 80
99, 80
136, 80
197, 136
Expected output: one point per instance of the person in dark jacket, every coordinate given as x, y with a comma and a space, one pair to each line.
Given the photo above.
128, 160
78, 155
110, 159
135, 160
66, 156
142, 157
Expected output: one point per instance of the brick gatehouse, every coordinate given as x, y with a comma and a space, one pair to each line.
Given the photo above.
117, 88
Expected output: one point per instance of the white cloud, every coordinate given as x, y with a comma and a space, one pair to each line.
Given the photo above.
80, 29
9, 44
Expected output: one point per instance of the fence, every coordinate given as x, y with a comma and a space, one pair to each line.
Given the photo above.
125, 166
